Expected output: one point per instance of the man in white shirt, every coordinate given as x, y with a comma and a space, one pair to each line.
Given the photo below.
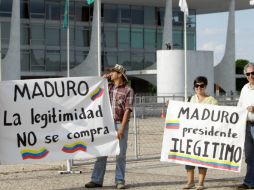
247, 100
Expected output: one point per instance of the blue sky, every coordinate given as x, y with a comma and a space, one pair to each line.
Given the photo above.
211, 34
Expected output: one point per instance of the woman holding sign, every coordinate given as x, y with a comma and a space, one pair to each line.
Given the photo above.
200, 96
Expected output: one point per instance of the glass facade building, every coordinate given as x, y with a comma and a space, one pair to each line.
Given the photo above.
130, 34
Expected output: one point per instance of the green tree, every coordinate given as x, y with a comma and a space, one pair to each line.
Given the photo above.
239, 64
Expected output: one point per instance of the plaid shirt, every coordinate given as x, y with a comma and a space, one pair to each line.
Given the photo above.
121, 99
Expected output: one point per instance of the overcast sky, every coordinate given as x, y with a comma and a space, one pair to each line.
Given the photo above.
211, 34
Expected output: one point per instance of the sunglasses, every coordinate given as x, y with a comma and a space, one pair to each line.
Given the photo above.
199, 85
248, 74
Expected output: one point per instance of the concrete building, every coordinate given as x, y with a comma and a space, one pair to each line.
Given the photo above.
133, 33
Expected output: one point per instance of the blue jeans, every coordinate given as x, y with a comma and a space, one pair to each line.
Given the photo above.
249, 156
101, 162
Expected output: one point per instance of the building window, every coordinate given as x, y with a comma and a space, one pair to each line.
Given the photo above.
159, 38
124, 59
150, 16
24, 34
137, 15
24, 9
124, 14
80, 56
137, 60
150, 60
137, 40
5, 32
110, 13
124, 37
109, 36
109, 60
52, 10
5, 8
37, 34
52, 36
64, 36
160, 16
82, 12
53, 60
64, 60
37, 60
37, 9
25, 60
150, 38
82, 36
177, 39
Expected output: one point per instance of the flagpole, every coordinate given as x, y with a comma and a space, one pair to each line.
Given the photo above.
68, 41
99, 36
185, 61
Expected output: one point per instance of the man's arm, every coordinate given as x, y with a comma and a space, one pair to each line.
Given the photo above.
126, 116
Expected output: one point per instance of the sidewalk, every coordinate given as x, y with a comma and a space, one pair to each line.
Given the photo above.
149, 174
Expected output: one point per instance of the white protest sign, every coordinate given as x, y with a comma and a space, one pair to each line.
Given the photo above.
204, 135
55, 119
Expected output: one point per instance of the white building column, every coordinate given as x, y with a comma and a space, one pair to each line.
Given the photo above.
225, 70
11, 62
168, 28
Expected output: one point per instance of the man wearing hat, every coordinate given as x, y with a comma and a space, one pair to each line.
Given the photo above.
121, 99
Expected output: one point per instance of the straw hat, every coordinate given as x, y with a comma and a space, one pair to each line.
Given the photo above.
120, 69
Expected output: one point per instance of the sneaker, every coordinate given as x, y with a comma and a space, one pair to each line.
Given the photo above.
244, 186
120, 186
92, 185
189, 186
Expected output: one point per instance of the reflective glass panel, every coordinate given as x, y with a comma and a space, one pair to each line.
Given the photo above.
64, 36
25, 61
137, 61
52, 36
191, 38
5, 8
110, 13
64, 58
109, 60
80, 56
137, 40
150, 16
159, 38
52, 10
124, 14
177, 39
160, 16
37, 60
109, 36
82, 36
82, 12
5, 32
52, 60
150, 38
24, 9
124, 59
37, 34
150, 60
137, 15
37, 9
123, 37
24, 34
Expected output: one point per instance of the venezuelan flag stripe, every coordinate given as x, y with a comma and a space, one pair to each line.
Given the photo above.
204, 162
97, 93
77, 146
34, 154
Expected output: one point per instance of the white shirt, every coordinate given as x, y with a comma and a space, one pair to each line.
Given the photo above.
247, 99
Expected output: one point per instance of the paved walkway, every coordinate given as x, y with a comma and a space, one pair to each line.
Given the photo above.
148, 174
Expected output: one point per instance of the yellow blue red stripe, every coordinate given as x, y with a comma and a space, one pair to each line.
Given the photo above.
97, 93
172, 124
226, 165
34, 154
74, 147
